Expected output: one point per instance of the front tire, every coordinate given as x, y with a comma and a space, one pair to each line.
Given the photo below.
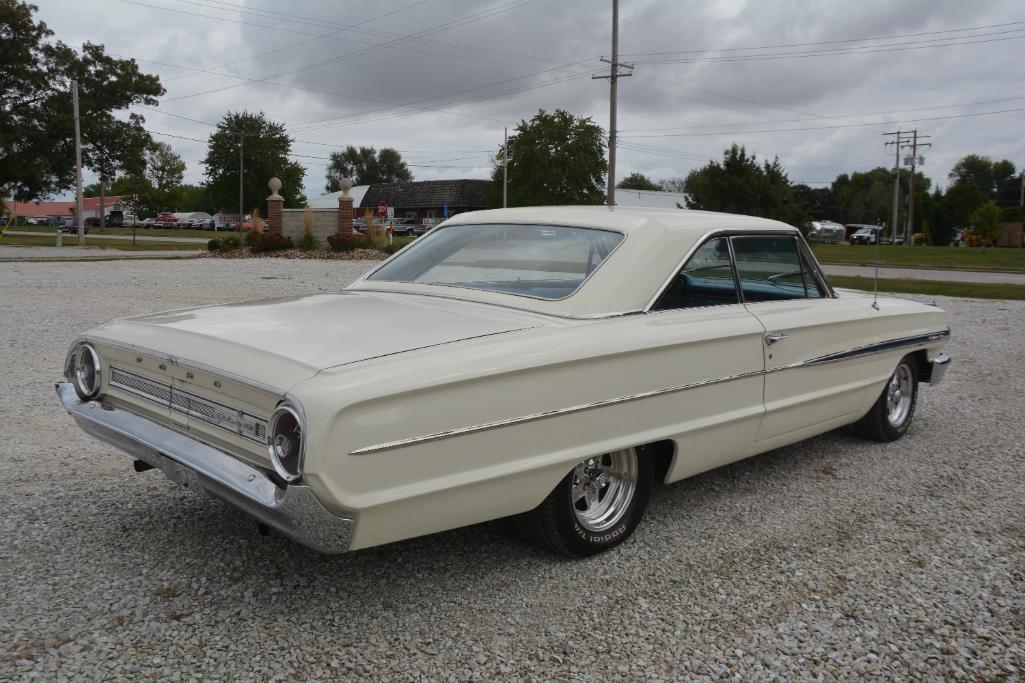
595, 507
891, 415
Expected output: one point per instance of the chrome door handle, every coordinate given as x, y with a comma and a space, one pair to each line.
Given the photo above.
771, 339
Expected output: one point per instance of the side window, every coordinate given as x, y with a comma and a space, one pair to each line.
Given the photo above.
814, 290
705, 280
771, 269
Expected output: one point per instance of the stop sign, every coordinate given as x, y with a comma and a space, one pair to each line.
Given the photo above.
382, 208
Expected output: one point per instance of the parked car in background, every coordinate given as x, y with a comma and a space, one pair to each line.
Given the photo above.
147, 223
826, 231
403, 226
166, 219
543, 363
865, 234
70, 225
38, 220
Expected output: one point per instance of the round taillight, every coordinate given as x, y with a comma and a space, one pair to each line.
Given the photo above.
86, 368
285, 442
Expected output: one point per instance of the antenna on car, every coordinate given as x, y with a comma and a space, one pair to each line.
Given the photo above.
875, 282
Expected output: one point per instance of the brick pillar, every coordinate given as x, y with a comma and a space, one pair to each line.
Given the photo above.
275, 202
345, 208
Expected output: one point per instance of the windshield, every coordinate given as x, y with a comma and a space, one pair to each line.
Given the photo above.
865, 231
541, 261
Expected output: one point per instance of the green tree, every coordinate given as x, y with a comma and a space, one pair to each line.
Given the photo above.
935, 210
365, 166
739, 184
985, 221
164, 168
36, 122
983, 173
817, 202
672, 185
554, 158
266, 149
961, 200
638, 181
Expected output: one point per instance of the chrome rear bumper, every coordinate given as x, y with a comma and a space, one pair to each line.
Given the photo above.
292, 510
939, 368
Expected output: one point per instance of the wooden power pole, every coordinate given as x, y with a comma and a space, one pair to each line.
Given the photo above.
913, 146
80, 220
614, 76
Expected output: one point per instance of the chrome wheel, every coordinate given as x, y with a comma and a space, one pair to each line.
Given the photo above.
899, 394
603, 488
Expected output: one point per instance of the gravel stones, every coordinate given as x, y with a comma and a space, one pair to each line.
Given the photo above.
836, 558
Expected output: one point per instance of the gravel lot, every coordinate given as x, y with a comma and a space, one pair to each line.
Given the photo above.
834, 558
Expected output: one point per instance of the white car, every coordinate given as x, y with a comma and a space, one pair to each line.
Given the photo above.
544, 363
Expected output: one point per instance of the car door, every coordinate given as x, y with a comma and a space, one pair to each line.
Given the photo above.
713, 346
803, 324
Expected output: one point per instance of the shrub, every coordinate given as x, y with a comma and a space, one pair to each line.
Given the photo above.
307, 242
229, 243
920, 238
390, 248
213, 245
265, 241
345, 242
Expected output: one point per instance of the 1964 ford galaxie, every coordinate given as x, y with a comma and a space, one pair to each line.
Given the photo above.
547, 363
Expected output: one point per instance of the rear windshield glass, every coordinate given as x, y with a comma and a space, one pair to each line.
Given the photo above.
540, 261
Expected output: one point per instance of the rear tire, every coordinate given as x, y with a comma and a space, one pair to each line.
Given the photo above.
891, 414
595, 507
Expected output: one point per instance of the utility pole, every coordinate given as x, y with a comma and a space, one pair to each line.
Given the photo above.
241, 212
913, 145
1021, 197
896, 182
614, 76
505, 168
78, 165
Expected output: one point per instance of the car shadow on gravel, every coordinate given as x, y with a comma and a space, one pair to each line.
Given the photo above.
211, 543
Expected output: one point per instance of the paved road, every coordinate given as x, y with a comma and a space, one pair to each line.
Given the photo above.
87, 254
924, 274
141, 238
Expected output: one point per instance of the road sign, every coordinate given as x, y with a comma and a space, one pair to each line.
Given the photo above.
382, 208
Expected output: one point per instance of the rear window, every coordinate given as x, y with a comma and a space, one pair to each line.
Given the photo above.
540, 261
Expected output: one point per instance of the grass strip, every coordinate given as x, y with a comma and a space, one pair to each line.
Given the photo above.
964, 258
72, 241
968, 290
141, 232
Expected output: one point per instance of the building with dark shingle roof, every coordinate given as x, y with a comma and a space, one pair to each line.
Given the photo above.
429, 199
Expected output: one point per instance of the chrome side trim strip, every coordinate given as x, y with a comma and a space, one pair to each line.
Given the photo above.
547, 413
880, 347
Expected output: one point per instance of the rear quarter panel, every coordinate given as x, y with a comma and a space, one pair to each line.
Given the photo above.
465, 478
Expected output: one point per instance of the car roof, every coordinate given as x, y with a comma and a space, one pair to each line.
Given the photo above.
655, 243
624, 219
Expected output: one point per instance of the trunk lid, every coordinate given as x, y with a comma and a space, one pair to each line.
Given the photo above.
281, 342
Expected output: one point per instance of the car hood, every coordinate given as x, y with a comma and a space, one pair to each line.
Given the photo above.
281, 342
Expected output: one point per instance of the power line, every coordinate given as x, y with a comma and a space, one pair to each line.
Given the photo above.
845, 116
871, 49
826, 42
849, 125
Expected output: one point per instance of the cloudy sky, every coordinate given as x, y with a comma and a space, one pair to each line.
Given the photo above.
814, 83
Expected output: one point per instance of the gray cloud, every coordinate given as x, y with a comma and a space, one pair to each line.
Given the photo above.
476, 76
